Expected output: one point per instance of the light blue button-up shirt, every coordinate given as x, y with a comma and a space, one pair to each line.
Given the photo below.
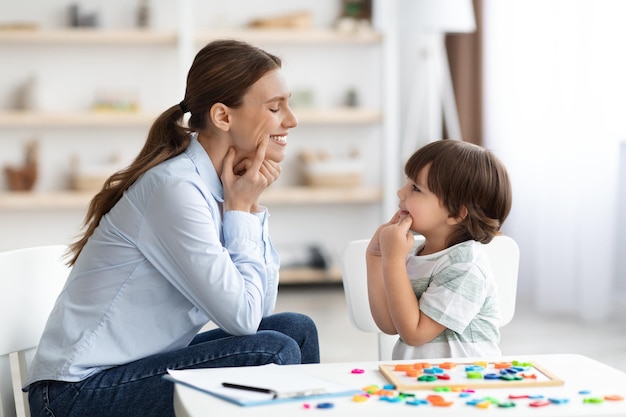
161, 264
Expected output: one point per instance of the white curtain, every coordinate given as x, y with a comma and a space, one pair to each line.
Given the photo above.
555, 111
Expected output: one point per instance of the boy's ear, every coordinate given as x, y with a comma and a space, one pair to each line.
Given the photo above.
458, 219
220, 116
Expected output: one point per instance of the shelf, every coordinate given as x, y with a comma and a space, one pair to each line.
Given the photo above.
340, 115
321, 195
88, 37
309, 275
84, 36
28, 119
54, 200
292, 36
78, 119
44, 200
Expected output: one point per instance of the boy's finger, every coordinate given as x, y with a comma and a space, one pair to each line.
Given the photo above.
406, 223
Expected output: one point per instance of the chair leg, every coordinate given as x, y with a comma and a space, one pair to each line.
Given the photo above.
385, 346
17, 363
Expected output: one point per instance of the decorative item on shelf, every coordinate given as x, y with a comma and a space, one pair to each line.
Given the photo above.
27, 96
320, 169
33, 95
356, 16
23, 178
298, 255
143, 14
116, 101
351, 25
80, 19
352, 97
300, 20
358, 9
92, 177
26, 26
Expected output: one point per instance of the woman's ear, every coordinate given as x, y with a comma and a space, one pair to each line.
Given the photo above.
220, 116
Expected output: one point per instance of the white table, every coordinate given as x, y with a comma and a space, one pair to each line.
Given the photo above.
578, 372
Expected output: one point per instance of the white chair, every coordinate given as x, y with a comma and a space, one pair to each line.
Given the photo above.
30, 281
503, 254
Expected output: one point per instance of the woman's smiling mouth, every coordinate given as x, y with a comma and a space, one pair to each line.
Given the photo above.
279, 139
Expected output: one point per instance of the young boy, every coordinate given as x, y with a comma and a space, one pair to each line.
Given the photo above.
440, 297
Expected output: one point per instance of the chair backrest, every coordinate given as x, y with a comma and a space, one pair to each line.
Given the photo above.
30, 281
503, 254
354, 277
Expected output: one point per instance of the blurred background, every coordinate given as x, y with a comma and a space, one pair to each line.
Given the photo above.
540, 82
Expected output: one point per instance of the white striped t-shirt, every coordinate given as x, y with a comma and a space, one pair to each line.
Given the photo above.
455, 287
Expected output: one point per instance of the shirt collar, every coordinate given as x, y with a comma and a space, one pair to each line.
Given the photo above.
205, 168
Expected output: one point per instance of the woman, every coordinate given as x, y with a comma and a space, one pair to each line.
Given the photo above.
172, 242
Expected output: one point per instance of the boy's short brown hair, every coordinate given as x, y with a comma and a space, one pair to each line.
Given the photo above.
462, 174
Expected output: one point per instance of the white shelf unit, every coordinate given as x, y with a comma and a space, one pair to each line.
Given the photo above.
89, 37
327, 210
83, 36
68, 120
289, 196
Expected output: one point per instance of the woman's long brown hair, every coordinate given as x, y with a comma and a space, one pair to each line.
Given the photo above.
222, 72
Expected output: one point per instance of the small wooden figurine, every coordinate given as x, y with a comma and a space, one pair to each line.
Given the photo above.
23, 178
299, 20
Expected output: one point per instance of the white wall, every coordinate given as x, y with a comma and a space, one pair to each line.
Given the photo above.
554, 111
620, 258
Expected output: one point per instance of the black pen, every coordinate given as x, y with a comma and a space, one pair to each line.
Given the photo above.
275, 394
250, 388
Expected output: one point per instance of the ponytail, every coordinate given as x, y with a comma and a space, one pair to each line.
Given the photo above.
166, 139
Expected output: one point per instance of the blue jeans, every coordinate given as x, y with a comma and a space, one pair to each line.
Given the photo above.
138, 388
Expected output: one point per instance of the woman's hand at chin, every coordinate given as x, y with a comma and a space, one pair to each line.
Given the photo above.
244, 182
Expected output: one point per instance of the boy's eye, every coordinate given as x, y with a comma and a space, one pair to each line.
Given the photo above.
274, 110
415, 188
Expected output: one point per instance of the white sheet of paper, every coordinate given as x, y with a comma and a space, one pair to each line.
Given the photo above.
281, 379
